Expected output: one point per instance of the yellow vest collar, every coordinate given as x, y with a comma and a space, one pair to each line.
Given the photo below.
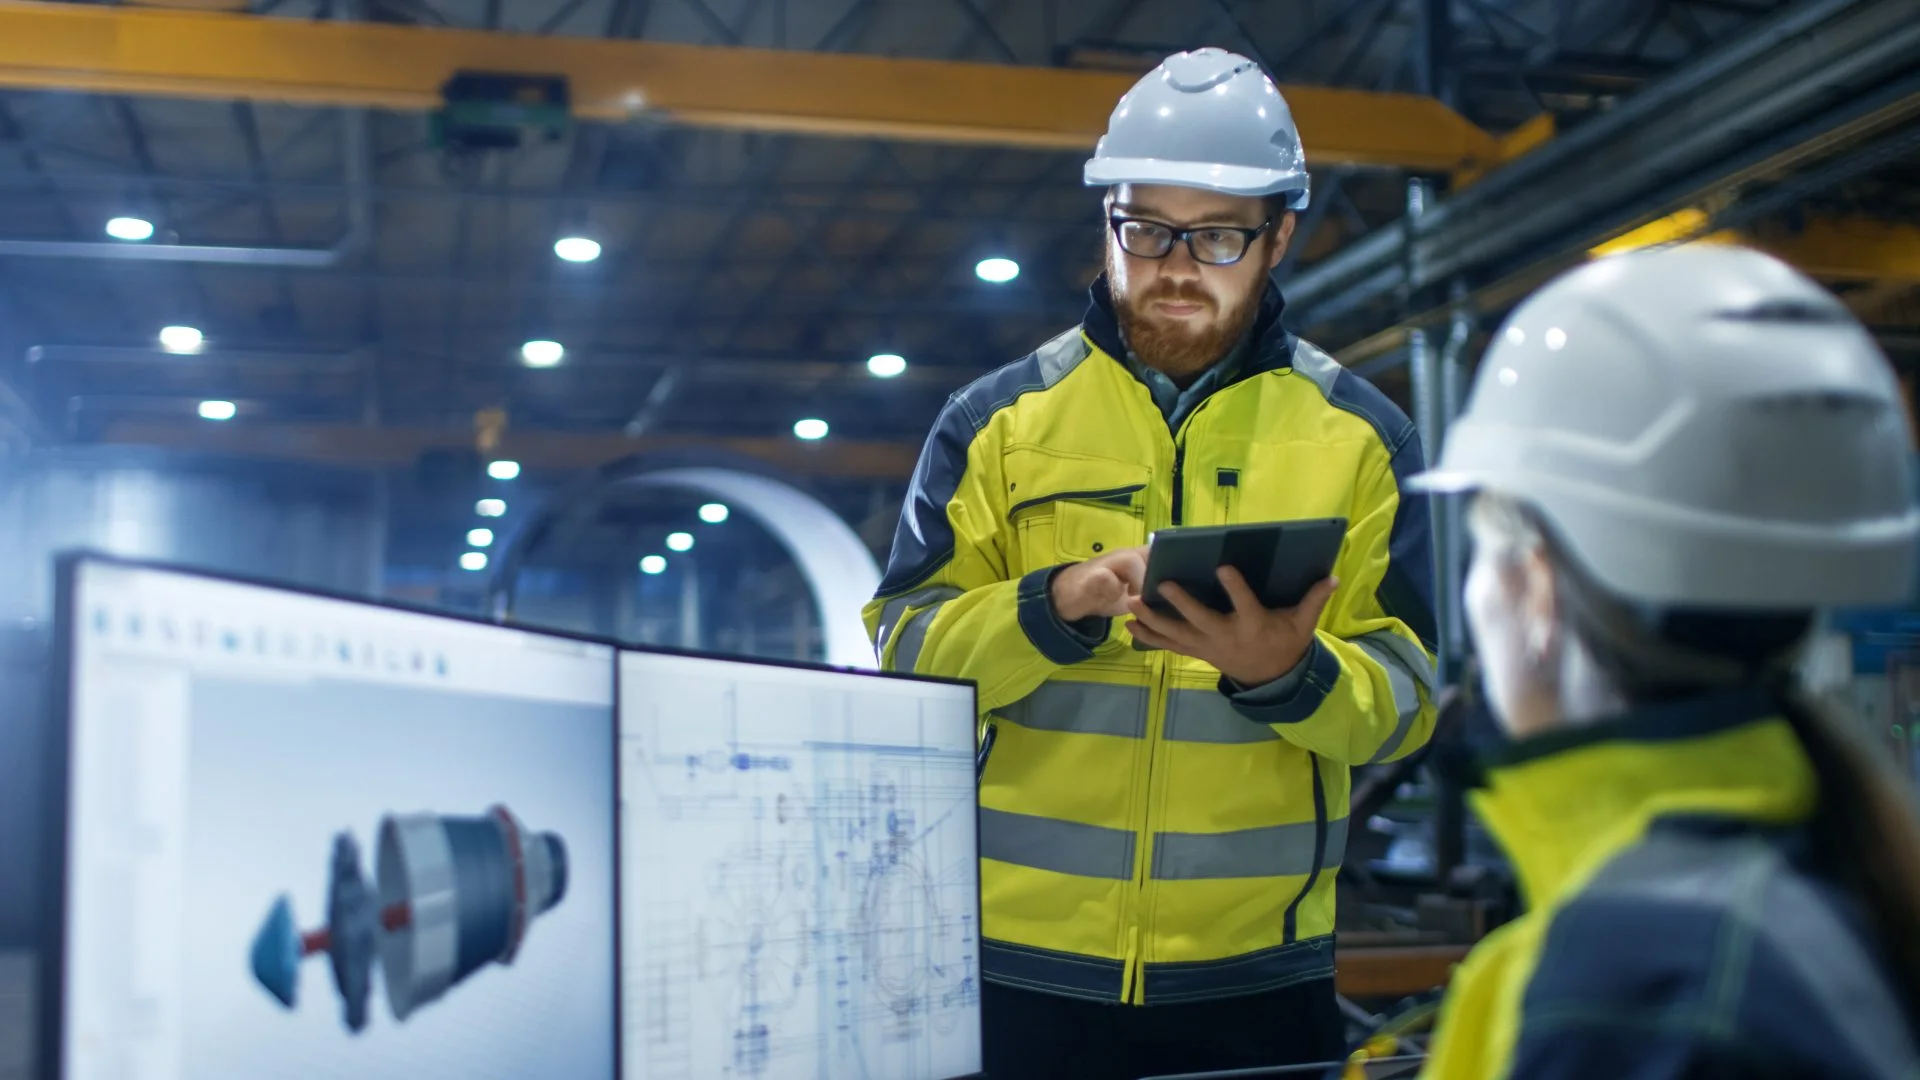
1563, 802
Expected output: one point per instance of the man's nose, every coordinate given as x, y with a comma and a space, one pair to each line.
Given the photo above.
1180, 265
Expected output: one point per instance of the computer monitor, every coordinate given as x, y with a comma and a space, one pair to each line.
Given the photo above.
800, 873
311, 837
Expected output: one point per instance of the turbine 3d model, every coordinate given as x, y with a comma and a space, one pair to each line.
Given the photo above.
451, 894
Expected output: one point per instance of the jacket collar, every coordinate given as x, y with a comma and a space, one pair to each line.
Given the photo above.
1272, 345
1563, 802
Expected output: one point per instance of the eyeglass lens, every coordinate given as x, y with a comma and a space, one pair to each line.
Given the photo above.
1149, 240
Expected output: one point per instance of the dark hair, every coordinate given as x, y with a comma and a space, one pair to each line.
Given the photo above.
1865, 825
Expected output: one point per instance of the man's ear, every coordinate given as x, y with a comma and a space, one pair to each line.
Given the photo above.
1282, 237
1540, 598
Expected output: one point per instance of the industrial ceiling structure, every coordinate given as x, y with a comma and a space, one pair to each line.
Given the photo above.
780, 190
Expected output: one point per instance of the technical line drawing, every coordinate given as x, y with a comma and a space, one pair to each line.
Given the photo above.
814, 900
451, 895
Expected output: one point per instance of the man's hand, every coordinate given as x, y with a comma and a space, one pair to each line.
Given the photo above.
1251, 645
1099, 586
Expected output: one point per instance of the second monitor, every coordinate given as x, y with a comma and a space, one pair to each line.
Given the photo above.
799, 873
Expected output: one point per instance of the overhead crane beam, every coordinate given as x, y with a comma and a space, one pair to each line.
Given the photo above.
1790, 89
222, 56
1849, 249
1833, 249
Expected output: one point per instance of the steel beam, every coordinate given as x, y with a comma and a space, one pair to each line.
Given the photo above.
402, 447
1849, 249
123, 50
1819, 72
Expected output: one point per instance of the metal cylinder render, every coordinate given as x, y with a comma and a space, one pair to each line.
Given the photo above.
462, 892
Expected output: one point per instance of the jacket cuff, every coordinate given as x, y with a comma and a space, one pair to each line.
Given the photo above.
1058, 640
1273, 693
1312, 679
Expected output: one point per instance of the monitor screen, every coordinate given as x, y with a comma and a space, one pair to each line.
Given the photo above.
308, 837
800, 889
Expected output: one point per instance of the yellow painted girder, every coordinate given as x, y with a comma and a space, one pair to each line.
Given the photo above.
223, 56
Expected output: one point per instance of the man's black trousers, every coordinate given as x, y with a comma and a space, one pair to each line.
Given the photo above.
1036, 1036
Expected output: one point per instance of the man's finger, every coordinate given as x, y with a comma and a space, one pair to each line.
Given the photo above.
1112, 595
1241, 593
1130, 566
1307, 612
1148, 637
1167, 627
1198, 615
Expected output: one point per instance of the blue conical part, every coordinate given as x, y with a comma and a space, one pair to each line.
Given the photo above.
276, 953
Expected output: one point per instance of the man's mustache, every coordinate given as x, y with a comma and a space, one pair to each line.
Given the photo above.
1179, 292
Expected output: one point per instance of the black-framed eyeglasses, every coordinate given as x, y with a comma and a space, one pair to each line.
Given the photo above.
1213, 245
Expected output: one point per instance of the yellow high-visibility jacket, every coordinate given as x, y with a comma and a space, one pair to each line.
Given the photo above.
1682, 923
1146, 837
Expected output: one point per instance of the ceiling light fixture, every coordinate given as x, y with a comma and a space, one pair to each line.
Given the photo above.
714, 513
130, 228
577, 249
653, 564
479, 538
997, 271
680, 541
182, 340
810, 429
473, 560
217, 410
491, 507
542, 354
503, 470
886, 365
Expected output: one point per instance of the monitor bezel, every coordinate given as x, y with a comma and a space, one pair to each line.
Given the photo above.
52, 973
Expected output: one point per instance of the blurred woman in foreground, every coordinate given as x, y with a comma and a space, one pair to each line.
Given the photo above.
1677, 458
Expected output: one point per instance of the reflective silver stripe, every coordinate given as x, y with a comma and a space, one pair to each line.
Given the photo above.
1064, 847
1410, 658
1274, 851
1404, 662
913, 638
891, 612
1336, 844
1208, 716
1083, 708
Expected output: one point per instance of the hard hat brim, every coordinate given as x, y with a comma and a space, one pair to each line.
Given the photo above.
1225, 179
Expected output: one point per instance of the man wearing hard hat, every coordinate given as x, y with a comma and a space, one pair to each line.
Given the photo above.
1160, 828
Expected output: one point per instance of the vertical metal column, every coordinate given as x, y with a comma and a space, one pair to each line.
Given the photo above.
1429, 421
1450, 550
689, 603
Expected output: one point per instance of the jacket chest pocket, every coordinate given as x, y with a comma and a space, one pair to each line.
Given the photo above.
1069, 509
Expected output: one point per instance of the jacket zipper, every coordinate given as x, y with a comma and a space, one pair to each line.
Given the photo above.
1133, 977
1179, 467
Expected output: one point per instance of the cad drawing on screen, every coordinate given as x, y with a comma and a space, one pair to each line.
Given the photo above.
832, 893
813, 907
450, 896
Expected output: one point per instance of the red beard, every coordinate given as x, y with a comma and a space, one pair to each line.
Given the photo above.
1182, 349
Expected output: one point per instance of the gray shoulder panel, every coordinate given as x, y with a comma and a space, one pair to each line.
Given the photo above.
1345, 390
1041, 369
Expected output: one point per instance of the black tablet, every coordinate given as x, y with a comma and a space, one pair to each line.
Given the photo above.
1281, 560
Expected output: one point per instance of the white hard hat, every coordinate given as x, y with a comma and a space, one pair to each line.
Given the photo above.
1701, 426
1205, 119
